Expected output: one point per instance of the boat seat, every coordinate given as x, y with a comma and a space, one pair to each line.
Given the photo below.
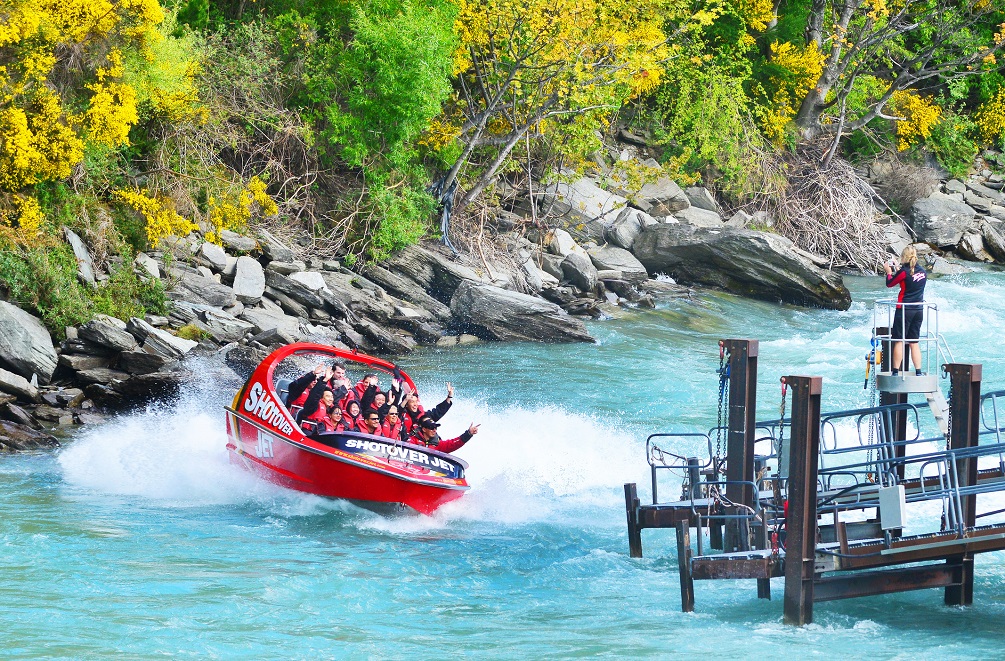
283, 388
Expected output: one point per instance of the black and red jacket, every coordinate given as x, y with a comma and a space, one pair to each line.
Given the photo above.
438, 443
912, 286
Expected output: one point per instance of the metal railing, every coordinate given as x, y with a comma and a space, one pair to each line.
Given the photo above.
934, 348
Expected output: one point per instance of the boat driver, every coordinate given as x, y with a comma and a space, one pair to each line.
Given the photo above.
424, 433
371, 422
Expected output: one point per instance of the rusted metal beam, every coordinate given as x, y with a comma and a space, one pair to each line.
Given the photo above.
632, 511
713, 567
684, 566
925, 547
740, 434
964, 416
885, 581
801, 524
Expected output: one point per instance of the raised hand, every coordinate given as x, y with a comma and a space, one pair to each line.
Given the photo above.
450, 391
473, 428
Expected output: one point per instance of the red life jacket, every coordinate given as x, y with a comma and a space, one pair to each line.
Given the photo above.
321, 418
408, 419
351, 423
387, 431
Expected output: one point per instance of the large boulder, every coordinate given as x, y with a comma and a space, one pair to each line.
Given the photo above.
994, 241
745, 262
508, 315
407, 290
579, 270
107, 332
295, 290
701, 197
249, 280
584, 203
16, 437
200, 289
700, 217
159, 341
15, 384
613, 258
235, 241
432, 269
25, 345
213, 256
264, 320
896, 237
627, 227
971, 247
359, 294
939, 221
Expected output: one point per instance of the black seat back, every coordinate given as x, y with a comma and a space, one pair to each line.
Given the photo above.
283, 388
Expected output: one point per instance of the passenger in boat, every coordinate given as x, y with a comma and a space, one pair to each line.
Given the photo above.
351, 418
907, 319
424, 433
374, 398
371, 422
317, 408
413, 410
392, 427
333, 375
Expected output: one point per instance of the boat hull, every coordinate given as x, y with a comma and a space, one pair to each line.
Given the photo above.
374, 472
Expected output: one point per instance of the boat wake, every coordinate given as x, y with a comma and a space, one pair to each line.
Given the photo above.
525, 463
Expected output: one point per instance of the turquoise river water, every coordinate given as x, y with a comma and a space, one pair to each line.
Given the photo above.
138, 540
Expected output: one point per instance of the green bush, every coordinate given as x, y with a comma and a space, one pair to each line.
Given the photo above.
403, 214
954, 143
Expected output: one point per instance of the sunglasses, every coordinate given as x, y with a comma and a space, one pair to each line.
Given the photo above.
372, 419
394, 414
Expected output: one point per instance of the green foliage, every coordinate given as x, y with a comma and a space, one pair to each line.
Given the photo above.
190, 332
954, 142
403, 214
193, 13
45, 279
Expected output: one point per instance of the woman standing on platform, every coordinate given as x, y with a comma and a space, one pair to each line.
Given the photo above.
907, 320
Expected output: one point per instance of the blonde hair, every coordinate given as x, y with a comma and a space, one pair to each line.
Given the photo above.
909, 256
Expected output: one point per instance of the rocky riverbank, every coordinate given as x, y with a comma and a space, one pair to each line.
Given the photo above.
595, 245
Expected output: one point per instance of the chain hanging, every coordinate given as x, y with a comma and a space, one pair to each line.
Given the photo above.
723, 372
776, 486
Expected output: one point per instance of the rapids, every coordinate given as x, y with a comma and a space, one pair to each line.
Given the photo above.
138, 539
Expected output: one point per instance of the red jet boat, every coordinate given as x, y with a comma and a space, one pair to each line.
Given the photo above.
375, 472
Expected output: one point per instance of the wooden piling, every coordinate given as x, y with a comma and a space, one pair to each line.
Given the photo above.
684, 566
634, 529
801, 523
964, 412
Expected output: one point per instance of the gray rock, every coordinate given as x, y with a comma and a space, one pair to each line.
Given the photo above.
224, 326
141, 362
971, 247
700, 217
21, 438
661, 198
384, 339
249, 280
86, 348
82, 362
746, 262
700, 197
407, 290
199, 289
148, 265
955, 186
995, 196
739, 220
236, 242
276, 252
994, 240
295, 290
70, 396
978, 202
561, 243
262, 320
940, 222
244, 359
941, 266
213, 256
360, 295
16, 384
85, 265
102, 375
159, 341
584, 204
580, 271
310, 279
627, 226
613, 258
287, 304
14, 413
552, 265
432, 269
146, 387
205, 272
235, 310
274, 337
897, 237
230, 270
107, 334
507, 315
25, 345
286, 268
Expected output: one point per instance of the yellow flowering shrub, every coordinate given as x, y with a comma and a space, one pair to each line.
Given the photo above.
920, 116
803, 67
22, 220
234, 211
161, 218
990, 119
